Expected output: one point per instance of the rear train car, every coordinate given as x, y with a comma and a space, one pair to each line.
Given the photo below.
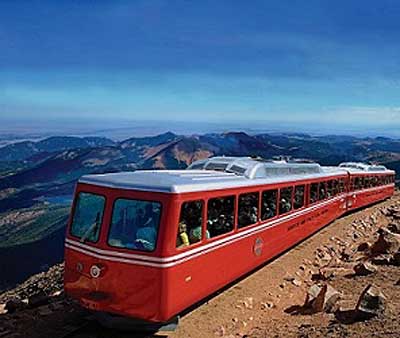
149, 244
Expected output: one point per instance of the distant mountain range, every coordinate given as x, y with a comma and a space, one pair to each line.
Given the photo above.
36, 175
52, 166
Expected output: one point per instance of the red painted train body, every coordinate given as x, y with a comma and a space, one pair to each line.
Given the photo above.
149, 244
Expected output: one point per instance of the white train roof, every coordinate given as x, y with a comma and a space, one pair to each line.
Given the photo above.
355, 167
214, 174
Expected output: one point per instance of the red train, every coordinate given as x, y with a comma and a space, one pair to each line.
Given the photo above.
149, 244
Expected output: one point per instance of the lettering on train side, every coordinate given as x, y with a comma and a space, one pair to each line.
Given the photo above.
307, 219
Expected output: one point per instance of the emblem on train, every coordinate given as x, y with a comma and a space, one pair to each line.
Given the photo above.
258, 246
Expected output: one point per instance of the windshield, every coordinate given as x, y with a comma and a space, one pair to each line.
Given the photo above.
134, 224
87, 218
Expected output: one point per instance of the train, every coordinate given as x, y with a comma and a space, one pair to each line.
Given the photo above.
149, 244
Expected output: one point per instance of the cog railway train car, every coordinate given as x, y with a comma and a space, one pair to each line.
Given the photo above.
149, 244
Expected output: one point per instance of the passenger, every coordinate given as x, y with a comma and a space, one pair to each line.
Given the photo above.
195, 234
253, 216
285, 205
298, 199
244, 219
183, 238
268, 212
146, 235
219, 225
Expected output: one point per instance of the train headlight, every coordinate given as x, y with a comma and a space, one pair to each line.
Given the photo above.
95, 271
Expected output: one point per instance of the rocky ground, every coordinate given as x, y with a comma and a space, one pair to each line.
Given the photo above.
342, 282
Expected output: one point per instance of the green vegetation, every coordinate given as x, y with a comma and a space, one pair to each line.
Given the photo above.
31, 224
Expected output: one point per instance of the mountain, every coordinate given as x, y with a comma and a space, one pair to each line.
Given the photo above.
24, 150
54, 173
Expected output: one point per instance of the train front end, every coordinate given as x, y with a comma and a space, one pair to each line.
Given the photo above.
112, 251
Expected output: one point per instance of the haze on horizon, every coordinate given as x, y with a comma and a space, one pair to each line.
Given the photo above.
318, 65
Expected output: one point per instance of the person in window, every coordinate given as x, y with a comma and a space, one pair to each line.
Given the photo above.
195, 234
183, 238
298, 198
146, 238
285, 205
253, 215
268, 212
146, 235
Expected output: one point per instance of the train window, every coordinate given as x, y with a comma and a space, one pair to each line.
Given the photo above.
313, 192
220, 215
342, 185
134, 224
190, 223
335, 187
268, 208
248, 209
352, 184
285, 200
87, 217
357, 183
322, 191
298, 196
329, 188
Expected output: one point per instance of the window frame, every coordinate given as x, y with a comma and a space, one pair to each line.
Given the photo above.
203, 227
294, 196
291, 200
319, 190
74, 205
235, 207
276, 204
309, 193
110, 224
258, 192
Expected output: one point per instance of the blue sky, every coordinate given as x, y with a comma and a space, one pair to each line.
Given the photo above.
328, 63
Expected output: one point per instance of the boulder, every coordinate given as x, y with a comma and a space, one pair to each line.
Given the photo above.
14, 304
364, 269
383, 259
387, 243
38, 299
394, 227
371, 302
248, 302
3, 309
396, 259
363, 247
296, 282
322, 298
